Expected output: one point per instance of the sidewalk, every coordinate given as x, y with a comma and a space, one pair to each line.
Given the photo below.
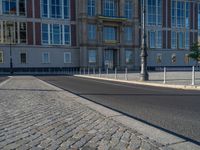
36, 115
174, 79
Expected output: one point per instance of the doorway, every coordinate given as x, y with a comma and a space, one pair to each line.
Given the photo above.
110, 58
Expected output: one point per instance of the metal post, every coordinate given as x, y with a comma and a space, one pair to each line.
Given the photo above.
193, 75
107, 72
94, 71
84, 71
126, 73
144, 76
164, 75
115, 73
88, 71
11, 63
99, 72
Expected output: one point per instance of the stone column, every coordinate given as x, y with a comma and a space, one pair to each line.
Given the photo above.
100, 57
83, 57
122, 58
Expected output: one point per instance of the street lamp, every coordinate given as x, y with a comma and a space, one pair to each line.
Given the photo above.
144, 76
9, 34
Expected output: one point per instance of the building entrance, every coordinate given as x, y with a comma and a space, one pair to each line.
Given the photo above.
110, 58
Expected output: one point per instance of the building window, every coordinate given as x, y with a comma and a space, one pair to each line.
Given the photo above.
159, 58
181, 40
155, 39
67, 34
22, 32
187, 15
110, 8
152, 39
92, 56
154, 12
187, 39
56, 34
14, 7
173, 58
129, 56
174, 40
22, 7
128, 35
186, 59
128, 10
23, 58
1, 57
45, 36
14, 32
159, 39
9, 7
91, 32
67, 57
55, 9
44, 8
66, 9
91, 7
110, 33
45, 57
180, 14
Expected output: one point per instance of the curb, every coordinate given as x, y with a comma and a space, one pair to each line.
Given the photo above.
182, 87
169, 140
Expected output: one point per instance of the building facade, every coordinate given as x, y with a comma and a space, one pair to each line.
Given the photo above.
53, 35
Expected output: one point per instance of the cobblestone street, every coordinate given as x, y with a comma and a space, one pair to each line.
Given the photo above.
34, 115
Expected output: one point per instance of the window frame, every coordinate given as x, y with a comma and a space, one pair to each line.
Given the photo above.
25, 57
70, 58
2, 55
91, 61
43, 58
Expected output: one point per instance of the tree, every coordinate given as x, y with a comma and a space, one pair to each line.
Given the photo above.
195, 53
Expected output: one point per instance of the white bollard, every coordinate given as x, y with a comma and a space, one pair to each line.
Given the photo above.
193, 75
84, 71
107, 72
164, 82
99, 72
88, 71
126, 73
115, 73
94, 71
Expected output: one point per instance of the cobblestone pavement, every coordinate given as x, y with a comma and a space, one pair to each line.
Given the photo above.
36, 116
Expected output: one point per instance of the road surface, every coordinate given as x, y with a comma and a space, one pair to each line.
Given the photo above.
174, 111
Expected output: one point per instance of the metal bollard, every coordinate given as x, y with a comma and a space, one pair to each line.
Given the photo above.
84, 71
107, 72
99, 72
80, 71
115, 73
164, 81
94, 71
126, 73
88, 71
193, 75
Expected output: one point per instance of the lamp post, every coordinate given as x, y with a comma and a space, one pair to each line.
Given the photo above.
11, 62
144, 76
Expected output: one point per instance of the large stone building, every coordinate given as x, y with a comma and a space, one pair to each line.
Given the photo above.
50, 35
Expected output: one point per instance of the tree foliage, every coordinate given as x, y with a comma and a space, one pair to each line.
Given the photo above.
195, 52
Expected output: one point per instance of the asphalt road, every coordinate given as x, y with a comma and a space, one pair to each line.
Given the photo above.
174, 111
